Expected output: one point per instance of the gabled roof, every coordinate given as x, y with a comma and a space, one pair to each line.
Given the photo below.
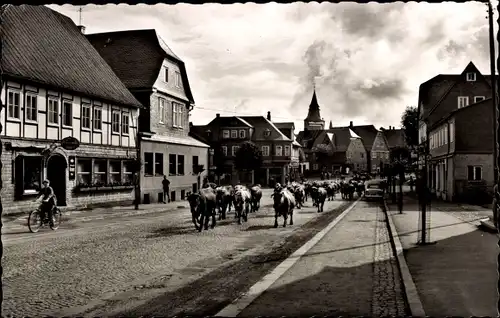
340, 138
289, 125
261, 122
469, 108
46, 47
395, 138
367, 133
137, 56
226, 121
199, 133
306, 138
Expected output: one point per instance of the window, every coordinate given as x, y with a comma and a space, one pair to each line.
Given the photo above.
177, 79
374, 155
452, 132
265, 151
86, 116
14, 108
29, 173
100, 171
161, 109
234, 134
180, 165
477, 99
53, 112
463, 101
115, 122
148, 164
158, 164
83, 170
474, 173
279, 150
195, 163
125, 123
67, 113
225, 134
172, 165
97, 120
234, 149
267, 133
31, 107
315, 166
471, 77
242, 134
115, 172
287, 150
362, 155
177, 114
224, 150
165, 78
445, 135
128, 175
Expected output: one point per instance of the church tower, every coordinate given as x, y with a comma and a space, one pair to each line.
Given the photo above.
313, 120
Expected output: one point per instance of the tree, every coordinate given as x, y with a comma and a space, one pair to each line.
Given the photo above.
248, 157
409, 121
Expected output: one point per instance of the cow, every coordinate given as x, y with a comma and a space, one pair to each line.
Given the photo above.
319, 197
256, 193
202, 205
224, 199
299, 195
330, 191
284, 202
242, 200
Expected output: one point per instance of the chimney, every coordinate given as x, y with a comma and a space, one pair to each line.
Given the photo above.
269, 116
351, 125
390, 127
190, 124
217, 115
82, 29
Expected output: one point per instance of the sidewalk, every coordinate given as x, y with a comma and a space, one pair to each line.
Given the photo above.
350, 271
457, 276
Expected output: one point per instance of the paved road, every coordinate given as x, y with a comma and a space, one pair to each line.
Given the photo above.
350, 271
97, 267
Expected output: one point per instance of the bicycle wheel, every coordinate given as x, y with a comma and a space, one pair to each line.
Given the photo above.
34, 221
57, 219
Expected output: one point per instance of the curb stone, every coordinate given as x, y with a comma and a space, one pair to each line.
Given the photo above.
411, 292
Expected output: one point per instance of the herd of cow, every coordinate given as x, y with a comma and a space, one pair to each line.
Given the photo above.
213, 199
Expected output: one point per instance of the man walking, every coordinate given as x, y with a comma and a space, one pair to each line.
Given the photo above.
166, 189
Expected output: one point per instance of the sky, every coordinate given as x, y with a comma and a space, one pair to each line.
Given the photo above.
365, 60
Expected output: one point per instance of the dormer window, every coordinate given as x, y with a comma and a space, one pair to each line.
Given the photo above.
471, 77
242, 134
267, 133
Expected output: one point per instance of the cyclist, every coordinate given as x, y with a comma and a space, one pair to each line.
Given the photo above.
49, 200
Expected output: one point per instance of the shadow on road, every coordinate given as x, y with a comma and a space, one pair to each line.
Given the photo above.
259, 227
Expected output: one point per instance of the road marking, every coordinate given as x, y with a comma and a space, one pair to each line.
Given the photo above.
239, 304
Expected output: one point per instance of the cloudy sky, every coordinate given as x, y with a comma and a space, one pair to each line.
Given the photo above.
367, 60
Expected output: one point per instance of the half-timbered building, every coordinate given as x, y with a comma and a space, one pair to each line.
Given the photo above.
56, 85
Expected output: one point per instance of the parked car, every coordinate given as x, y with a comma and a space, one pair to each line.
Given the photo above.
374, 190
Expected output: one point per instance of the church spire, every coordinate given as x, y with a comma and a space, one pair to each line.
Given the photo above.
313, 120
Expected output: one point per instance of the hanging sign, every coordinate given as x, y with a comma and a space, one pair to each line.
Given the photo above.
70, 143
72, 167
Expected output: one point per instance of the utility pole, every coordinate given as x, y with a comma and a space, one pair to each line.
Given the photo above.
493, 88
497, 194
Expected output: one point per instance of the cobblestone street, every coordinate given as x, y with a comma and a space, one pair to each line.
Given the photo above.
100, 266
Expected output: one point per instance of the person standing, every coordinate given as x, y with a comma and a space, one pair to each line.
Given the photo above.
166, 189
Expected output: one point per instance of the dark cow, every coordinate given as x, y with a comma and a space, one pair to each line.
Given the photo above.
256, 193
299, 194
319, 197
242, 200
202, 206
224, 199
284, 203
330, 191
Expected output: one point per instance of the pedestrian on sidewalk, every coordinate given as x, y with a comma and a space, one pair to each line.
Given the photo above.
166, 189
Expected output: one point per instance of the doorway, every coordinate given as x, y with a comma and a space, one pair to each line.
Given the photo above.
56, 173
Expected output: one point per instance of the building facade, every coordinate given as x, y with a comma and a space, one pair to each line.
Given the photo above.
62, 96
459, 134
229, 132
157, 77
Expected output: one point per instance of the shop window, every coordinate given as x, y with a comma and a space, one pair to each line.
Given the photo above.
115, 172
128, 174
158, 164
28, 174
100, 171
180, 165
83, 171
148, 163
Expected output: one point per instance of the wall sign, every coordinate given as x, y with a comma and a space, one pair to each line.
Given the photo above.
70, 143
72, 167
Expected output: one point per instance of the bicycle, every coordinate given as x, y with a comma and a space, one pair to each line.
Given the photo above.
35, 221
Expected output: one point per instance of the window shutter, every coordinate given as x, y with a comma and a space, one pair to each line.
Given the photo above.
470, 173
